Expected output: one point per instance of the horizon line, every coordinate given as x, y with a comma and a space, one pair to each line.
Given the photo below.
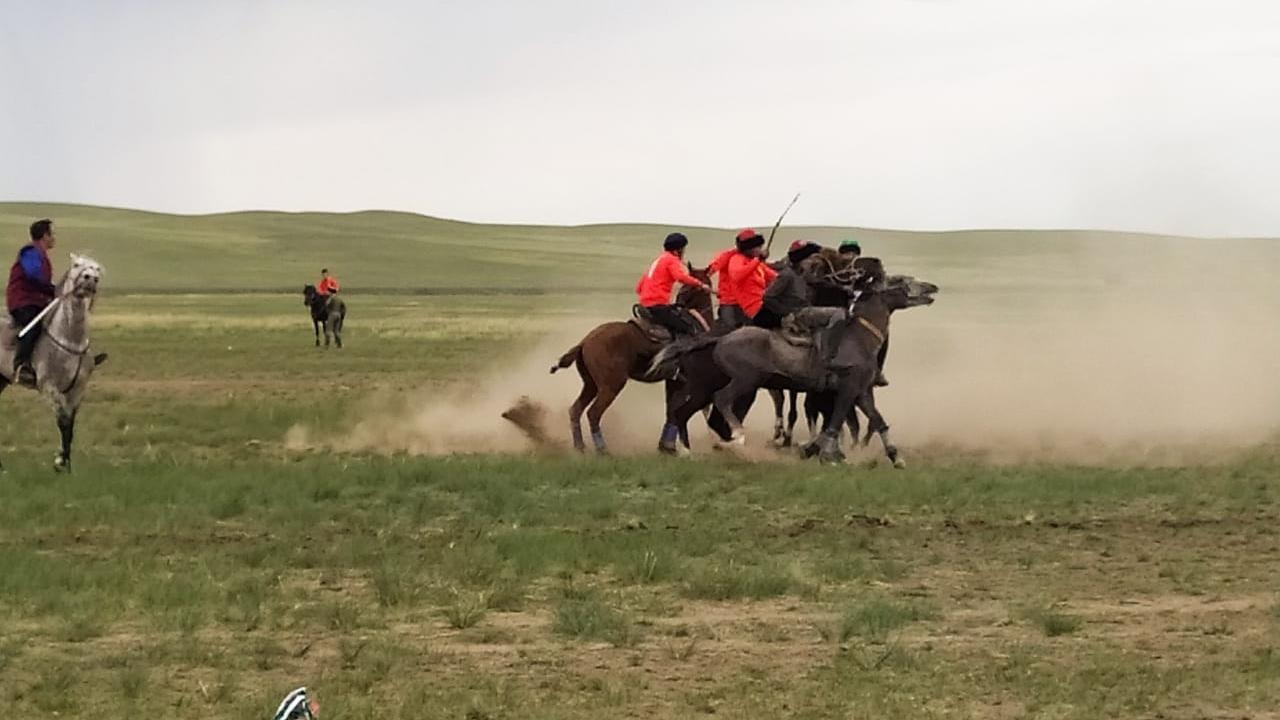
614, 223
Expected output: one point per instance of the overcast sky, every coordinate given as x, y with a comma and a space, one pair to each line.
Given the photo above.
1159, 115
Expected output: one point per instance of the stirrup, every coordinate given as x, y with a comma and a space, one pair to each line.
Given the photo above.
25, 375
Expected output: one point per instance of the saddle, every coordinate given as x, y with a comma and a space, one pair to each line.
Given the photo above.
795, 334
652, 330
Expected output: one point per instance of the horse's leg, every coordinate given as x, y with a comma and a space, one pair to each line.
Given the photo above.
580, 404
337, 332
608, 392
4, 383
316, 323
693, 401
876, 423
789, 435
829, 443
811, 409
67, 426
779, 406
672, 432
726, 397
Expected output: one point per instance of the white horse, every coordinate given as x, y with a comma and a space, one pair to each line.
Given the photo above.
61, 356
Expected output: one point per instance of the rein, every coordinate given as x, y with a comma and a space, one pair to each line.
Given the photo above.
66, 348
871, 329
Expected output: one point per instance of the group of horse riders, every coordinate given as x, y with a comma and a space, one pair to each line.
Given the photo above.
751, 291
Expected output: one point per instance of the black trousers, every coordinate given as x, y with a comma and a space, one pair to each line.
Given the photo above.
26, 344
767, 318
674, 318
732, 317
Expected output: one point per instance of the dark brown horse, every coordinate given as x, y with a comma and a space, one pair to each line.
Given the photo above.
616, 352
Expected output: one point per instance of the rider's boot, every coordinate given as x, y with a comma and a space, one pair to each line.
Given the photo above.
23, 373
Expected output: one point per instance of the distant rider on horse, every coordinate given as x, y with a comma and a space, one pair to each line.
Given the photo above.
655, 286
328, 284
30, 290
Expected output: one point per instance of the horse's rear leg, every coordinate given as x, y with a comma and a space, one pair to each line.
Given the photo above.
792, 417
3, 384
676, 394
66, 426
779, 408
678, 415
316, 323
604, 398
580, 404
726, 398
337, 334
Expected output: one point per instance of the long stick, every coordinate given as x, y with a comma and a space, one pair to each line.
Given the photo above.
38, 318
769, 244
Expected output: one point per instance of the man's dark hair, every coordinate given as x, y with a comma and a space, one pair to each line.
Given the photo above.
324, 270
40, 228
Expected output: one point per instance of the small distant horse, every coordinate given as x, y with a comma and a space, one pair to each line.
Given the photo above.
61, 356
616, 352
328, 312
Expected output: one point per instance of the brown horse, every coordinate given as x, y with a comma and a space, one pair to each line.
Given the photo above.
615, 352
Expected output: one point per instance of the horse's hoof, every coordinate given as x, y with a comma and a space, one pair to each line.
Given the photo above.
900, 464
668, 450
832, 458
61, 464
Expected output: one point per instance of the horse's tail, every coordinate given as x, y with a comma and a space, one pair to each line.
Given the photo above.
568, 358
667, 361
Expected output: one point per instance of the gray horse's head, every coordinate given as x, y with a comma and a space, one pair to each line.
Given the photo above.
918, 291
82, 277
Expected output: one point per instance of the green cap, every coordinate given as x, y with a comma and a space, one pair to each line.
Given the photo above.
850, 246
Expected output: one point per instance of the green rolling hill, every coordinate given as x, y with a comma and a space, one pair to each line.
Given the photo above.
403, 252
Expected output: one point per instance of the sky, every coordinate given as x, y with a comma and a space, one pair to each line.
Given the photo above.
1159, 115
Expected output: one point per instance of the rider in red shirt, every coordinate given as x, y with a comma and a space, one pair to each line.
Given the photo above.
748, 273
328, 284
731, 316
655, 286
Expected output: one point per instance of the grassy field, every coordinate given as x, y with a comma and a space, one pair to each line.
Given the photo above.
196, 565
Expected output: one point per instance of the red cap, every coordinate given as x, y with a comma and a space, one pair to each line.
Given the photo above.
797, 245
747, 234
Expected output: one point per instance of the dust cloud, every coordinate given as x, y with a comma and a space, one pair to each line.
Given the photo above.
1142, 353
469, 417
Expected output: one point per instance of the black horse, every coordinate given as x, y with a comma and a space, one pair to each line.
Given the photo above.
328, 312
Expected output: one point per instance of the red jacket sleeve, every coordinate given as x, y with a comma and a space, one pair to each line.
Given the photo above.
769, 274
681, 275
720, 262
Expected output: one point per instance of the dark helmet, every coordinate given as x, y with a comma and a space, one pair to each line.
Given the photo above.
675, 241
850, 246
